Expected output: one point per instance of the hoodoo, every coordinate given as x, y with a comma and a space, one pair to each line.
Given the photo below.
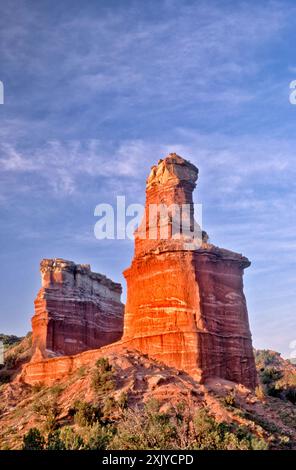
185, 303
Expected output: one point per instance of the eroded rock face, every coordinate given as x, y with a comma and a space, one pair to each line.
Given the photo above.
75, 310
186, 307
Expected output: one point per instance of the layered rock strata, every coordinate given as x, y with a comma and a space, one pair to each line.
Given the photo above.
185, 302
75, 310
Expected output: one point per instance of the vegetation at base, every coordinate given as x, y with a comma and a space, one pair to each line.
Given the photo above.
110, 422
147, 428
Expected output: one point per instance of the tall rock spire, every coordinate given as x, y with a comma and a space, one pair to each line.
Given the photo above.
186, 307
168, 221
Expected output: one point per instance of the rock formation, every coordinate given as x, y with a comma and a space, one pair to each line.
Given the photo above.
75, 310
185, 301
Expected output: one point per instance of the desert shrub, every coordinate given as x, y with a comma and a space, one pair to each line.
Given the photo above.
86, 413
123, 400
229, 399
33, 440
10, 360
144, 429
110, 408
152, 429
49, 410
210, 435
102, 377
268, 426
266, 358
270, 374
97, 437
60, 439
71, 440
104, 364
54, 441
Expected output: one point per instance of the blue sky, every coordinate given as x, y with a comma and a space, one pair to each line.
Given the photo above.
96, 92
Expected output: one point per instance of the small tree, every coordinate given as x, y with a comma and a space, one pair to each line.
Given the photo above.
49, 410
102, 377
71, 440
33, 440
86, 413
54, 441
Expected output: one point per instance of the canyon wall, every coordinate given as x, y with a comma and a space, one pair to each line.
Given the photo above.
75, 310
185, 300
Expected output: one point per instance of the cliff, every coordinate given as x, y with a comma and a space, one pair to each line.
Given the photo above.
75, 310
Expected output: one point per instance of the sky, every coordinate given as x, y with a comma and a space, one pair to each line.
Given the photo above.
96, 92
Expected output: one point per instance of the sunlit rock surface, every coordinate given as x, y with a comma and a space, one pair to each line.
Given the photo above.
185, 303
75, 310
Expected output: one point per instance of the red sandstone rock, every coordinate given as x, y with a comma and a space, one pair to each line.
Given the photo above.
75, 310
186, 307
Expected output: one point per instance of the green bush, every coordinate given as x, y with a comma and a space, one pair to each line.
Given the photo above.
270, 374
70, 439
229, 399
210, 435
152, 429
54, 441
147, 429
61, 439
49, 410
97, 437
266, 358
103, 379
10, 360
86, 413
33, 440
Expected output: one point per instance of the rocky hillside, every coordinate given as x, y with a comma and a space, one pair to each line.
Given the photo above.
277, 375
17, 351
10, 340
128, 401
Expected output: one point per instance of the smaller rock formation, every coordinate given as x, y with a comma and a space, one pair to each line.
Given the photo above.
75, 310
